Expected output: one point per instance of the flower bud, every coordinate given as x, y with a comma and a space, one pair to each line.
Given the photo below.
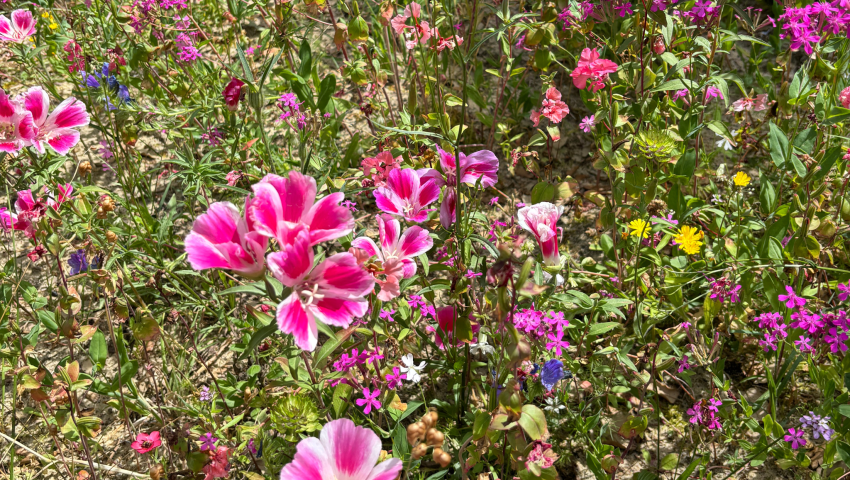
419, 451
428, 421
441, 457
85, 168
111, 237
434, 438
658, 47
415, 432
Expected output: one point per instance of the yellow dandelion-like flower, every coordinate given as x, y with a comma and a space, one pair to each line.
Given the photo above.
45, 15
741, 179
53, 26
689, 239
639, 228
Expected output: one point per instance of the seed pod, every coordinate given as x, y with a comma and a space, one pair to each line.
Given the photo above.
427, 421
419, 451
415, 432
441, 457
434, 416
434, 438
84, 168
111, 237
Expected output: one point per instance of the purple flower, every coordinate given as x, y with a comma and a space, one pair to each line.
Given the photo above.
795, 438
551, 373
791, 300
587, 123
843, 291
78, 262
683, 364
206, 395
394, 379
208, 442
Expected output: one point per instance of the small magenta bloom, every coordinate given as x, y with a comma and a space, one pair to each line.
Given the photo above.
394, 379
843, 291
795, 438
370, 400
19, 28
208, 442
557, 342
684, 364
145, 442
407, 194
791, 300
222, 238
342, 451
541, 220
713, 92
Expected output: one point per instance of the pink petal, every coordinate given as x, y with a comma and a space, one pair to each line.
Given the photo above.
264, 209
62, 140
387, 200
70, 113
5, 27
294, 261
23, 21
426, 174
428, 193
481, 164
408, 267
38, 103
447, 161
390, 289
218, 224
404, 182
386, 470
354, 450
311, 462
7, 108
341, 276
294, 320
414, 242
389, 229
339, 311
328, 220
448, 209
367, 245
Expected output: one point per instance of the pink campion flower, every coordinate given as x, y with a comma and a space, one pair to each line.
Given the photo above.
844, 97
683, 94
591, 67
541, 220
233, 93
281, 206
712, 92
394, 379
222, 238
587, 123
751, 104
791, 300
369, 401
407, 195
331, 292
837, 340
58, 128
17, 127
557, 342
553, 107
145, 442
19, 28
398, 249
342, 451
219, 464
843, 291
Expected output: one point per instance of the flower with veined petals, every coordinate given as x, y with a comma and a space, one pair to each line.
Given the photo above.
233, 93
398, 249
281, 206
480, 166
639, 228
843, 291
57, 129
222, 238
756, 104
145, 442
741, 179
17, 29
689, 239
331, 292
342, 451
17, 127
407, 194
541, 220
591, 67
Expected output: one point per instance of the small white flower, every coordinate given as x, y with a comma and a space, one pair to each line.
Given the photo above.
481, 347
724, 143
410, 368
554, 406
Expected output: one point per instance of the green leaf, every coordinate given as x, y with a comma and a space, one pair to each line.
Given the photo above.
533, 421
97, 350
482, 423
676, 84
246, 69
691, 467
256, 338
686, 164
543, 192
844, 451
306, 56
600, 328
670, 461
778, 145
340, 399
326, 91
332, 344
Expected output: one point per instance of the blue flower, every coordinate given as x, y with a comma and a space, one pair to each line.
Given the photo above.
78, 262
124, 94
551, 373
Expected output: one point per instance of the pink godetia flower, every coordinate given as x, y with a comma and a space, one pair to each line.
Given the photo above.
751, 104
17, 128
57, 129
396, 254
222, 238
281, 206
219, 464
17, 29
712, 92
553, 107
844, 97
541, 220
407, 194
331, 292
481, 166
369, 401
591, 67
145, 442
232, 94
342, 451
587, 123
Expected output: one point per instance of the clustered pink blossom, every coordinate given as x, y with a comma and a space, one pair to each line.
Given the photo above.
807, 26
775, 330
721, 290
376, 169
703, 13
704, 413
538, 325
420, 32
552, 108
187, 52
591, 67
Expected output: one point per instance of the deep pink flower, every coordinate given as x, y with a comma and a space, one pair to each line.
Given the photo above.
342, 451
481, 165
553, 107
222, 238
791, 300
541, 220
843, 291
19, 28
145, 442
219, 466
280, 207
233, 93
712, 92
332, 292
557, 342
795, 438
844, 97
591, 67
17, 127
394, 379
369, 401
58, 128
28, 211
396, 253
407, 195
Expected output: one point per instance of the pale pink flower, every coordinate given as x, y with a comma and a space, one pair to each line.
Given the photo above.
407, 195
58, 128
332, 292
541, 220
591, 67
535, 116
280, 206
19, 28
222, 238
396, 253
587, 123
553, 107
218, 467
342, 451
17, 127
755, 104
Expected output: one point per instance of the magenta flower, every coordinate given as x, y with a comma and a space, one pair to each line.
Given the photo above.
407, 194
19, 28
222, 238
683, 94
394, 379
233, 93
281, 206
17, 127
843, 291
591, 67
480, 166
712, 92
836, 340
684, 364
208, 442
342, 451
791, 300
332, 291
587, 123
58, 128
369, 401
557, 342
795, 438
145, 442
396, 253
541, 220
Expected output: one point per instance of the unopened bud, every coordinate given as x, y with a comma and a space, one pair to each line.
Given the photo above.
441, 457
419, 451
85, 168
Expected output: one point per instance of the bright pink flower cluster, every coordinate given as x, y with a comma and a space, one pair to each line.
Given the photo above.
552, 108
775, 330
420, 32
591, 67
376, 169
808, 26
722, 290
538, 325
29, 209
704, 413
702, 14
26, 121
